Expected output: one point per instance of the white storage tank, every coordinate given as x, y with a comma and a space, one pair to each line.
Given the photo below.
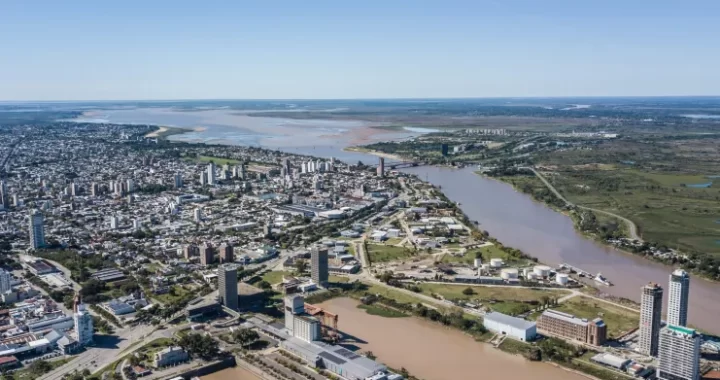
509, 273
526, 272
531, 276
542, 270
477, 263
561, 278
496, 263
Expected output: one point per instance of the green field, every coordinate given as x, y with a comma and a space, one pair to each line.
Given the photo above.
665, 211
275, 277
378, 253
618, 320
508, 300
217, 160
168, 298
487, 253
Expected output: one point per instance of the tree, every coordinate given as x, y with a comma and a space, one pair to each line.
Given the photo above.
244, 337
370, 355
468, 291
39, 368
300, 266
264, 285
203, 346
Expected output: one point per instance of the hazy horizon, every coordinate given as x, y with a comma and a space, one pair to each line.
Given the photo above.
81, 50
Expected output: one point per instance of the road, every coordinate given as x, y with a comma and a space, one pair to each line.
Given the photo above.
632, 227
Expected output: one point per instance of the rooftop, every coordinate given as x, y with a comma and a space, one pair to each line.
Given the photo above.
508, 320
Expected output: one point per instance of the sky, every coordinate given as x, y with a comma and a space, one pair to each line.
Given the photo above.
276, 49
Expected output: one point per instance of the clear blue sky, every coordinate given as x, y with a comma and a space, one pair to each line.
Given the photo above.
158, 49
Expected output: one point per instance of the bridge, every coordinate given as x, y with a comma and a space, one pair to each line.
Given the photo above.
392, 165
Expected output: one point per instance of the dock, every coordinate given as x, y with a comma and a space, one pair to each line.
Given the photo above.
577, 270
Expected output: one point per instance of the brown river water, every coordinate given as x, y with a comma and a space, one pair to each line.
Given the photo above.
432, 352
518, 221
234, 373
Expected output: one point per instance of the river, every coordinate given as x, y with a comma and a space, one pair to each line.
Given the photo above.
432, 352
510, 216
518, 221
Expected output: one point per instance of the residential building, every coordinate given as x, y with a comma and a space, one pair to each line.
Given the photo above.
679, 293
37, 230
226, 253
197, 215
319, 265
381, 167
83, 324
178, 181
568, 326
679, 354
207, 256
190, 250
650, 314
170, 356
94, 189
114, 222
513, 327
228, 285
5, 279
211, 179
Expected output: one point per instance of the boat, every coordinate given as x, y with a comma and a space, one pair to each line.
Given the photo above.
601, 279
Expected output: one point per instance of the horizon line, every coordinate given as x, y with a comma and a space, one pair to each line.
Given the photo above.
358, 99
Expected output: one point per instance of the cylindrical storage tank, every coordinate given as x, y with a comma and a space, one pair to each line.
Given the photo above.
496, 263
561, 278
509, 273
531, 276
477, 263
542, 270
526, 272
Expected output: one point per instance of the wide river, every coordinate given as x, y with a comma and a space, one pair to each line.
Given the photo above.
432, 352
512, 217
518, 221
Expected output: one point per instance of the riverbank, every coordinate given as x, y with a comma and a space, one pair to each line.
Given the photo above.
632, 239
419, 345
358, 149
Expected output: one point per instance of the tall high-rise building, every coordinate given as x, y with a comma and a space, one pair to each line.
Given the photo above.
226, 253
203, 179
4, 196
211, 174
94, 189
679, 292
74, 189
83, 323
37, 230
190, 250
114, 222
679, 354
197, 215
178, 181
228, 285
319, 266
207, 256
650, 314
5, 278
381, 167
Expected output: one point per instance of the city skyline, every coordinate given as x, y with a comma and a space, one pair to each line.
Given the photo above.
458, 49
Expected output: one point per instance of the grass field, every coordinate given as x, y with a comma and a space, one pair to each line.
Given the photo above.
508, 300
618, 320
167, 298
381, 311
378, 253
217, 160
487, 253
275, 277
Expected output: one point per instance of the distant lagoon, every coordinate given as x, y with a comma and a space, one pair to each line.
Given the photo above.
701, 116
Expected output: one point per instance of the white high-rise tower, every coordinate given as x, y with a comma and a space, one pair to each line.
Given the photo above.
83, 323
679, 354
5, 278
211, 174
678, 298
37, 230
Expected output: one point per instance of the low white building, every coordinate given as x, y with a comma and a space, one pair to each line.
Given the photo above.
170, 356
516, 328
